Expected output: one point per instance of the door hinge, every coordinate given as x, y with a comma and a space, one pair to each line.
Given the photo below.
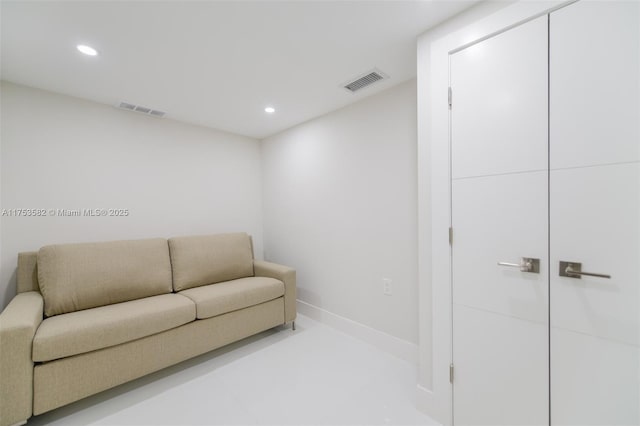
451, 373
450, 98
450, 236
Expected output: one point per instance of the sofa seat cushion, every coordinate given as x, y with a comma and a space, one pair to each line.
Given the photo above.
218, 299
97, 328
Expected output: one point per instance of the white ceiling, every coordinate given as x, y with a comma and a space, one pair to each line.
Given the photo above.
216, 63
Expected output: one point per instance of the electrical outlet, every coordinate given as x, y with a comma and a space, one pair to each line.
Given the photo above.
386, 287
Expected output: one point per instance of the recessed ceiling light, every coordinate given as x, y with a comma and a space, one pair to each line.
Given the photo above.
87, 50
270, 110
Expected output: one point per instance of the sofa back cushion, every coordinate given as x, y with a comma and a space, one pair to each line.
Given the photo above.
73, 277
209, 259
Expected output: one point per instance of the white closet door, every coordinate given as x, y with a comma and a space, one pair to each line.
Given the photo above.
595, 212
499, 214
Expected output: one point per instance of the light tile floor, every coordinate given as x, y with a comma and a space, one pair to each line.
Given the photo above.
314, 375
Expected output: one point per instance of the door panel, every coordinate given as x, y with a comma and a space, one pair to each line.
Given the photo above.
499, 113
501, 369
595, 83
596, 220
501, 218
595, 212
594, 381
499, 213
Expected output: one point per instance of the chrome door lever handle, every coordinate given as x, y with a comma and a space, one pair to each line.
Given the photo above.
515, 265
574, 270
527, 264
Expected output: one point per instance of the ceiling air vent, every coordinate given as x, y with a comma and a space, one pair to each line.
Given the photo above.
364, 80
142, 109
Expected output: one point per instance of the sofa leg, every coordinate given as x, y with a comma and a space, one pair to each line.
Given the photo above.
293, 325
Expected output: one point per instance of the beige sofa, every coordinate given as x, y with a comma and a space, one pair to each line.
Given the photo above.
88, 317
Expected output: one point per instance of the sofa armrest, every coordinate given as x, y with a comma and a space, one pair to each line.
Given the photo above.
18, 324
287, 276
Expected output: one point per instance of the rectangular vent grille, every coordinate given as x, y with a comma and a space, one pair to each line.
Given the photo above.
365, 80
142, 109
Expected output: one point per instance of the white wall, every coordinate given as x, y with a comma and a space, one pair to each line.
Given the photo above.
340, 206
176, 179
3, 285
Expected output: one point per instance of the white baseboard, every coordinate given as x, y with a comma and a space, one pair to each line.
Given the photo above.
401, 348
426, 402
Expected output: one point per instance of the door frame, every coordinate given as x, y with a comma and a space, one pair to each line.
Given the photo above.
434, 391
